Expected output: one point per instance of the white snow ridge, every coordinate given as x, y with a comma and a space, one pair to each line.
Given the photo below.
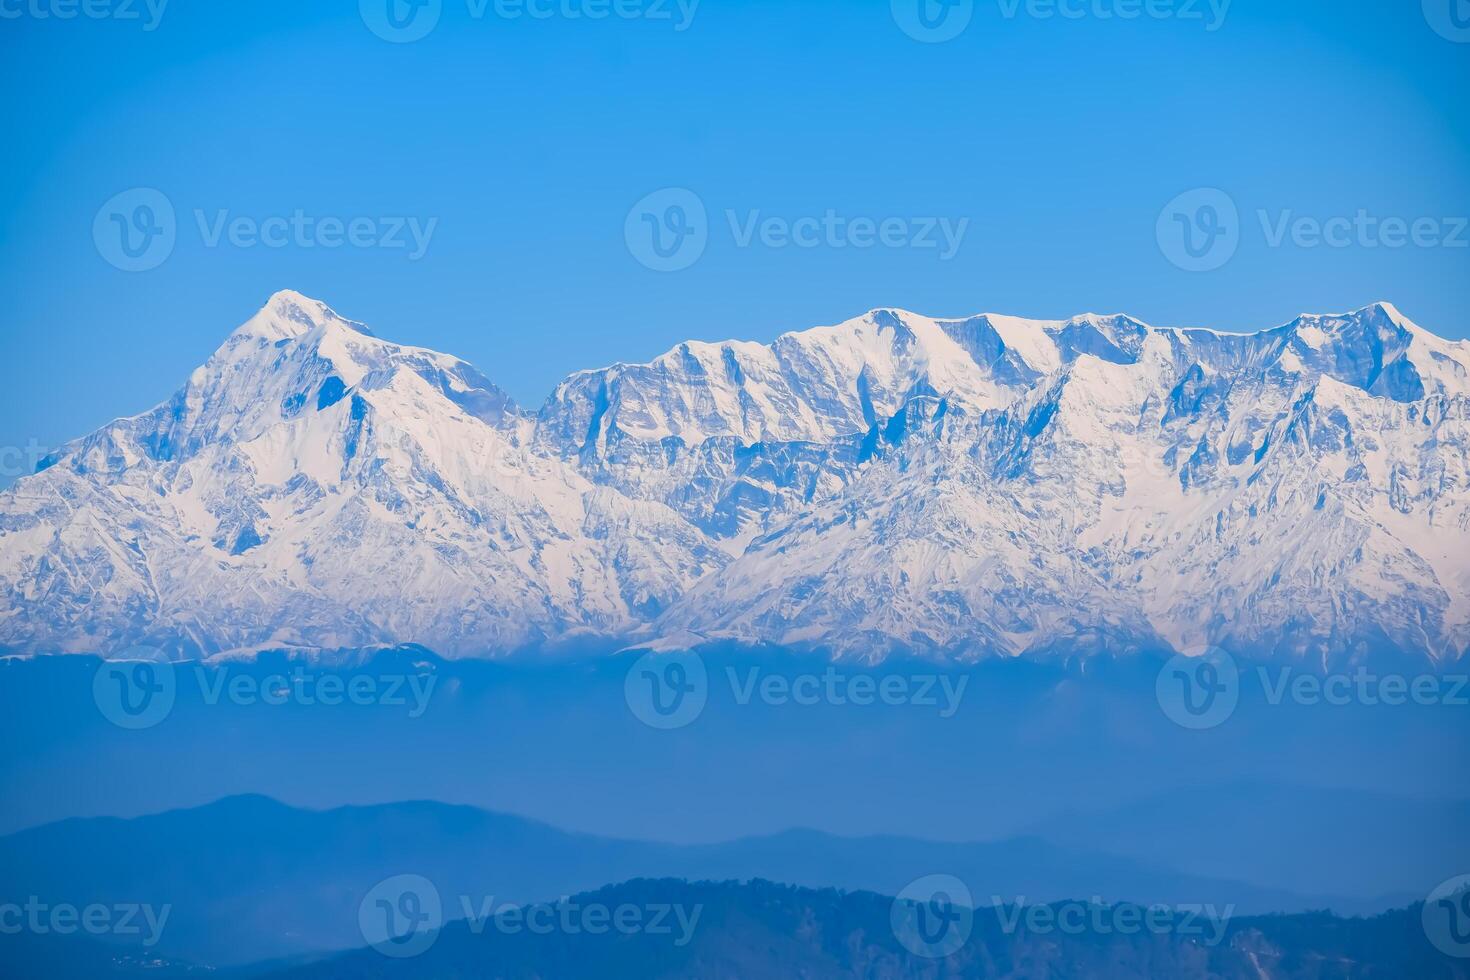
989, 486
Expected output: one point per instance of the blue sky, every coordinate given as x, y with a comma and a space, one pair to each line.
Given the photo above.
1049, 141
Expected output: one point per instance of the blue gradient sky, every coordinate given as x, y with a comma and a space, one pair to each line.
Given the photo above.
529, 140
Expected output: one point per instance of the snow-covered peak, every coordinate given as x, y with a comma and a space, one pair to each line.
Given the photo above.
811, 386
288, 315
1379, 350
974, 486
293, 359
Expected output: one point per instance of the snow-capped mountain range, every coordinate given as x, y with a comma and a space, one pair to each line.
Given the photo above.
896, 483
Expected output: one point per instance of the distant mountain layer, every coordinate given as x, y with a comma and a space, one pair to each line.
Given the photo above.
247, 878
697, 931
759, 929
963, 488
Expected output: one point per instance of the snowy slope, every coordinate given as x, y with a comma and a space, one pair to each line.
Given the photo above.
314, 486
1300, 493
985, 486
